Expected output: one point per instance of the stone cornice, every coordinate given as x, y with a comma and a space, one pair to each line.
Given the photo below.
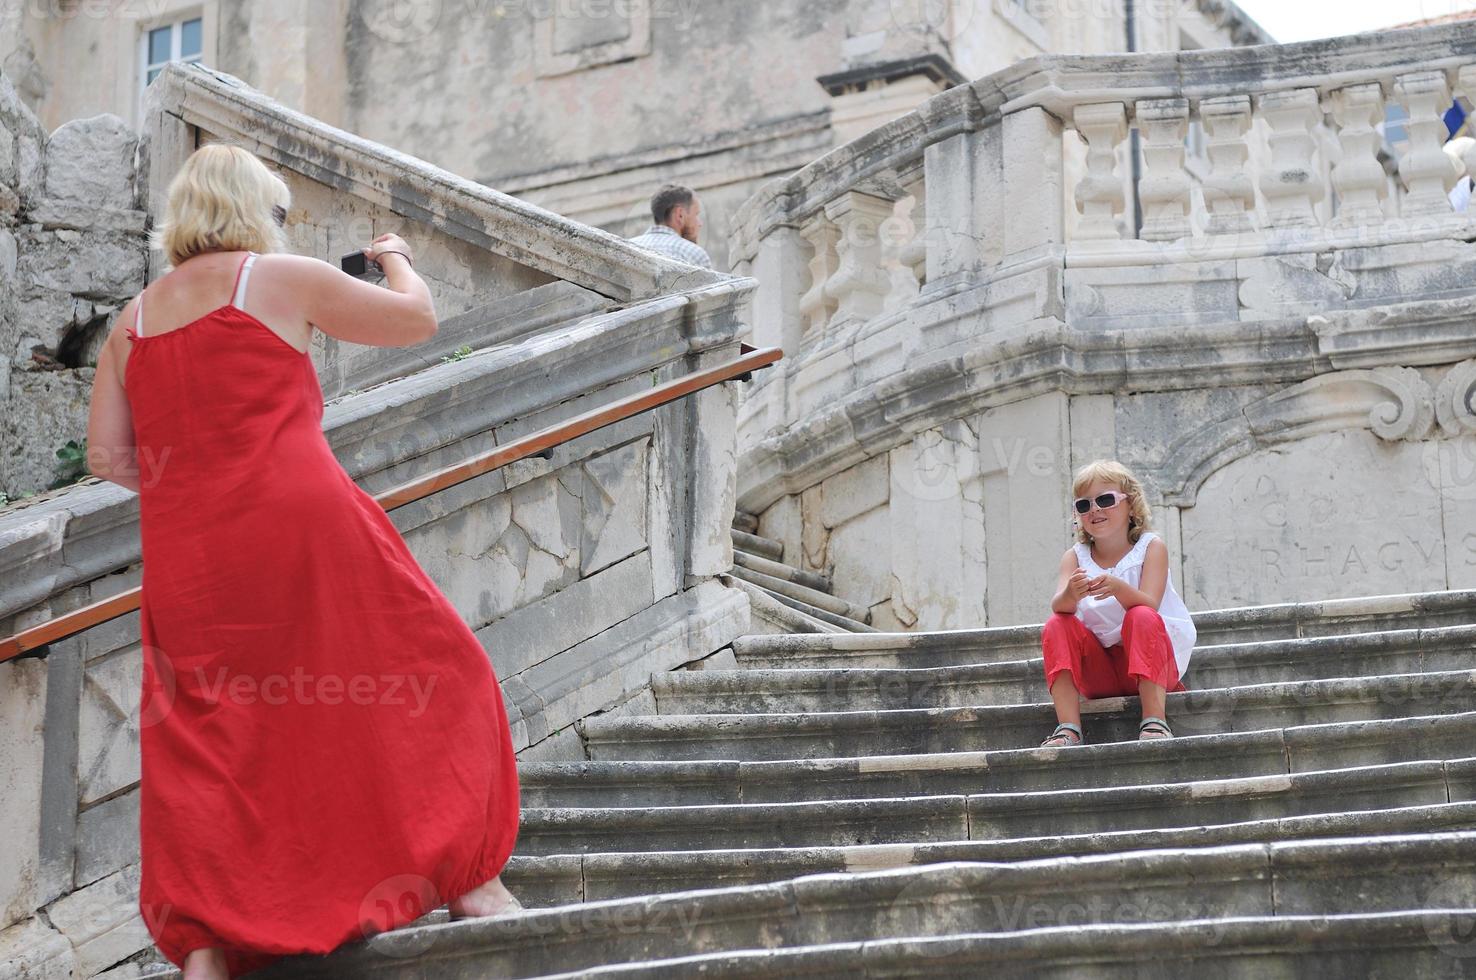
539, 239
84, 531
1045, 355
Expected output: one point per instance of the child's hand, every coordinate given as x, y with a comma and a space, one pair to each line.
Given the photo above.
1104, 586
1078, 585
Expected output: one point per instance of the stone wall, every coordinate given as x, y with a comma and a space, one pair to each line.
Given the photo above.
71, 254
581, 574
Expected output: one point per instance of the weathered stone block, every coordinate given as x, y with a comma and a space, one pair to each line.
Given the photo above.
22, 727
33, 951
91, 162
107, 726
614, 500
106, 265
107, 837
938, 528
535, 632
102, 921
855, 491
861, 557
1339, 514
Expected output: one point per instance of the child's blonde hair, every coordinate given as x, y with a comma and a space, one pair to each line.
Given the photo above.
221, 201
1140, 518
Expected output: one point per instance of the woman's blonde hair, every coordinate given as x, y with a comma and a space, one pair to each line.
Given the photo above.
221, 201
1111, 471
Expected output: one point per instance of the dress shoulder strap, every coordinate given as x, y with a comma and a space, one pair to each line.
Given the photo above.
138, 313
243, 275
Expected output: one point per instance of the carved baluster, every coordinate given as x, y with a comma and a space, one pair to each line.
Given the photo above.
1164, 188
1428, 173
1358, 177
859, 283
1229, 195
815, 305
1291, 183
914, 255
1099, 195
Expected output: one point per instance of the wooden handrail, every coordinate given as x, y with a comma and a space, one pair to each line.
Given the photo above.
540, 443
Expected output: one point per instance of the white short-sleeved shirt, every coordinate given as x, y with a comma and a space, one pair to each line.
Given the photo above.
1104, 616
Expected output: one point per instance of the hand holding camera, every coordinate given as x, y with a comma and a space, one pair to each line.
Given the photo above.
370, 262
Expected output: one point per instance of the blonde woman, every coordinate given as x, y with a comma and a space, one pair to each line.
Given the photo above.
325, 752
1117, 628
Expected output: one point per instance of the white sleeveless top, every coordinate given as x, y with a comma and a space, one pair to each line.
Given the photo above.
1104, 616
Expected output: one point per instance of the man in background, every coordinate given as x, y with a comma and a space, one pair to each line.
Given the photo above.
678, 216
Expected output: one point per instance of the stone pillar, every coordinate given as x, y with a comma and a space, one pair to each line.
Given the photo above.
167, 142
1291, 183
965, 209
1099, 195
1033, 221
778, 266
1024, 461
1164, 189
859, 284
1427, 171
1229, 196
1359, 177
815, 305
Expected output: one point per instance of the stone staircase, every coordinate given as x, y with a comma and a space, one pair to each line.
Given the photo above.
845, 803
786, 599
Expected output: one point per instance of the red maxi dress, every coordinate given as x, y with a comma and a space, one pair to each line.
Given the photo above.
325, 751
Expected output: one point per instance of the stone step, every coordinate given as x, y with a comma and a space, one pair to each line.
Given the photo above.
942, 648
745, 522
993, 816
1287, 878
769, 613
757, 563
810, 597
838, 623
755, 545
560, 879
753, 690
1268, 752
1395, 944
972, 729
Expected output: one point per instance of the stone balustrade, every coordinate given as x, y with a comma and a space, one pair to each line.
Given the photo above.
970, 308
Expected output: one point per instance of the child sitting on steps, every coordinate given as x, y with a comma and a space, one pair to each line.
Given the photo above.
1118, 628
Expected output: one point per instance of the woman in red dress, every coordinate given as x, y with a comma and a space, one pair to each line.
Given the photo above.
325, 752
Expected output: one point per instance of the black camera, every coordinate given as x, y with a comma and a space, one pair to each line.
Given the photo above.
357, 264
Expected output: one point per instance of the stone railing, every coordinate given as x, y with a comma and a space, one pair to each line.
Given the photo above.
581, 574
931, 279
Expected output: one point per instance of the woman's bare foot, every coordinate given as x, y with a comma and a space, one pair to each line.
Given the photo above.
488, 899
206, 964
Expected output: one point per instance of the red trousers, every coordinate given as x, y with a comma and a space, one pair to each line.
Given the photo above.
1145, 653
